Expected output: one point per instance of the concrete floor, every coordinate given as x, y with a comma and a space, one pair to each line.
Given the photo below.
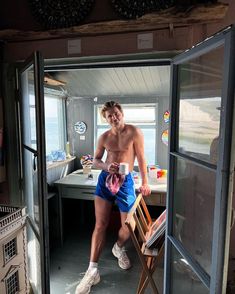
69, 263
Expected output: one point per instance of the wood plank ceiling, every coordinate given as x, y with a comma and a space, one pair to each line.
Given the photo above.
148, 81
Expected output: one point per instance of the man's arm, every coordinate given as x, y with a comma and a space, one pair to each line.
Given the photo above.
139, 150
98, 162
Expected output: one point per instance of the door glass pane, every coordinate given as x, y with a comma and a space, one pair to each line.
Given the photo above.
194, 198
34, 261
30, 187
28, 108
200, 83
184, 280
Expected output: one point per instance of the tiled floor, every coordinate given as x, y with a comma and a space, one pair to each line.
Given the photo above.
69, 263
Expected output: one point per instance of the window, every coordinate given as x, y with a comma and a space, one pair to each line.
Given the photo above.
12, 283
10, 250
55, 130
54, 124
140, 115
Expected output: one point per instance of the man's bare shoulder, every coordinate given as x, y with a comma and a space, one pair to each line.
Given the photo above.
133, 129
104, 135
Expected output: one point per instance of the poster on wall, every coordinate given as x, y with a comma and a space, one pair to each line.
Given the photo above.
165, 137
166, 116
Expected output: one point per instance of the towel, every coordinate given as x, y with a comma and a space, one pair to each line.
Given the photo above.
114, 182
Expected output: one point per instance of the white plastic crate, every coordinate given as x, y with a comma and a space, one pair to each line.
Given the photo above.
13, 246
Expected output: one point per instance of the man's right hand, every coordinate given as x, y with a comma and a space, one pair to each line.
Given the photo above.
113, 167
145, 190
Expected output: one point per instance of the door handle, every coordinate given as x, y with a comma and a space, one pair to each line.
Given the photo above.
35, 161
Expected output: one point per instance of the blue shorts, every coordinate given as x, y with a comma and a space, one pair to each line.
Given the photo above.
125, 197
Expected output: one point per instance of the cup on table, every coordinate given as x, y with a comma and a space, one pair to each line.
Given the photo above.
123, 168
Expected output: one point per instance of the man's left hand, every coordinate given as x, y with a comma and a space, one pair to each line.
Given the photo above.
145, 190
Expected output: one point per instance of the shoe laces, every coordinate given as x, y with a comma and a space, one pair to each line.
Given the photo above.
123, 256
88, 278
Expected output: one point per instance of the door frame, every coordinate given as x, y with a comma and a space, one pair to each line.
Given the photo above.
37, 61
222, 215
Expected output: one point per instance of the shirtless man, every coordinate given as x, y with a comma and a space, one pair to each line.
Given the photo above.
123, 143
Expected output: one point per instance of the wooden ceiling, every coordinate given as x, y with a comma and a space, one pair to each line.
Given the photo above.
148, 81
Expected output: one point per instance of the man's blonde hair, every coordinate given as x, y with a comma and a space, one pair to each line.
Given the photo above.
110, 104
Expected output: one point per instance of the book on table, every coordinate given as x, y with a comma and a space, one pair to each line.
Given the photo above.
157, 231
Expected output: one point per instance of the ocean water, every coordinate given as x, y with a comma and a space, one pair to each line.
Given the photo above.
53, 142
52, 139
52, 135
149, 146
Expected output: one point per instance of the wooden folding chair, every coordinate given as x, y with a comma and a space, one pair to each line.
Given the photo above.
139, 223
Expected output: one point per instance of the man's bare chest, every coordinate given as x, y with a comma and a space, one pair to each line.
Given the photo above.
115, 143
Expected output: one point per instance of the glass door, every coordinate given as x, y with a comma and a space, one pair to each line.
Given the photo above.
33, 171
199, 167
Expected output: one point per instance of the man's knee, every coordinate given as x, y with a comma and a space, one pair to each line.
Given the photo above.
101, 227
125, 229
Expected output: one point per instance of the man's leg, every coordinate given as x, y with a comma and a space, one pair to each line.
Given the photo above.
102, 215
123, 234
118, 249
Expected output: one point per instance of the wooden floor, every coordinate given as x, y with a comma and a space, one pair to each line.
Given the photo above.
69, 263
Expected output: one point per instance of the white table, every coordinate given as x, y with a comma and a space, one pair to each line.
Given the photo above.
78, 186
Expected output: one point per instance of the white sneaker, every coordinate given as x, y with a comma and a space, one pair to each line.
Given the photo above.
120, 254
92, 277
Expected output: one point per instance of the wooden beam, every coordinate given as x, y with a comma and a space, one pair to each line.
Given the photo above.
53, 82
199, 14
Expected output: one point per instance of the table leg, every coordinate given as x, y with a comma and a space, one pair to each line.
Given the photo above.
61, 233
